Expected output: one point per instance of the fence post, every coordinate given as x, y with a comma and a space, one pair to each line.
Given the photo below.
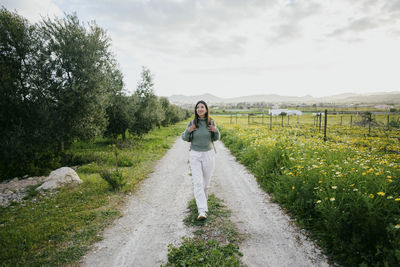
369, 124
298, 119
341, 120
388, 125
262, 121
351, 120
248, 119
288, 123
231, 119
326, 122
282, 120
320, 121
236, 117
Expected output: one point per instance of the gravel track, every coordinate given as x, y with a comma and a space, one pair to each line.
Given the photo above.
153, 216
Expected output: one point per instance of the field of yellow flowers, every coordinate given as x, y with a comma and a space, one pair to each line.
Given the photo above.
346, 190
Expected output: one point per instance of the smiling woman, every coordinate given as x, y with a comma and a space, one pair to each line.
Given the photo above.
201, 132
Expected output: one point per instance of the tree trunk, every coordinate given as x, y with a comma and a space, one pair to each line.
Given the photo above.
61, 146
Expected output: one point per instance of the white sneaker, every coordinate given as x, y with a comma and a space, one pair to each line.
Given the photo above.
202, 216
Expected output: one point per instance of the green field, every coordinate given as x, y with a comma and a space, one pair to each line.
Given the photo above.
346, 190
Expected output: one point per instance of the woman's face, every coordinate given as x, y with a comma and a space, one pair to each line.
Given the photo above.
201, 110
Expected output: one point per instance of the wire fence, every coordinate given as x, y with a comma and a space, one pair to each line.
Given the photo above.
372, 124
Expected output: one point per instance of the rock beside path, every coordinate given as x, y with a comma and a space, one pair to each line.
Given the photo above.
59, 178
17, 189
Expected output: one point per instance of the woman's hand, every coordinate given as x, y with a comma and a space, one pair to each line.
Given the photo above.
192, 128
212, 128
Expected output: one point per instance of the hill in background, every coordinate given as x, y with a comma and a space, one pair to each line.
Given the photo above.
347, 98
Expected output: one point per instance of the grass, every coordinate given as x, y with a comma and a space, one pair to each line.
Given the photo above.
215, 241
57, 228
346, 191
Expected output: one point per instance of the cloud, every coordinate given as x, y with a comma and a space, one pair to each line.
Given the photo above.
292, 15
179, 27
33, 10
392, 7
366, 16
234, 45
356, 26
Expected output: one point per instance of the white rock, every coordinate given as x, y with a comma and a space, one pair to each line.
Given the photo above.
60, 177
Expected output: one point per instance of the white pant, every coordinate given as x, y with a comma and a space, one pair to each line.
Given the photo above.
202, 165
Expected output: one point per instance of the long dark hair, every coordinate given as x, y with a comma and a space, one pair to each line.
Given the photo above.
196, 116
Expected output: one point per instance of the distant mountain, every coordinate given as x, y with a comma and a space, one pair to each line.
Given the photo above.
347, 98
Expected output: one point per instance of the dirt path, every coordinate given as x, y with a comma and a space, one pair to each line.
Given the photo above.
153, 218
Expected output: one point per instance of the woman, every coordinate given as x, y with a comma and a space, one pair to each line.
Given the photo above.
201, 132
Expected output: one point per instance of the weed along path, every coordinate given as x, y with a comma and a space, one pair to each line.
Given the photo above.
153, 218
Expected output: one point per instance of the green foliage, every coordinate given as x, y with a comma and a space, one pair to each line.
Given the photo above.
78, 73
194, 252
215, 242
142, 111
118, 114
149, 112
60, 84
57, 77
114, 178
23, 111
126, 161
394, 123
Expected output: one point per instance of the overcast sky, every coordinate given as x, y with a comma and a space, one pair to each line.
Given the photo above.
235, 48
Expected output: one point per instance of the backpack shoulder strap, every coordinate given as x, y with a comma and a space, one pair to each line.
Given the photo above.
212, 142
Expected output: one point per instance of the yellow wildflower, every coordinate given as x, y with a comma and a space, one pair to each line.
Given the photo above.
371, 195
380, 194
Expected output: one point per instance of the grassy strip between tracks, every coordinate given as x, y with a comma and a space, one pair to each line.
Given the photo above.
215, 241
57, 228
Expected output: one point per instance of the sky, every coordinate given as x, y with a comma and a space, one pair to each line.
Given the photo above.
232, 48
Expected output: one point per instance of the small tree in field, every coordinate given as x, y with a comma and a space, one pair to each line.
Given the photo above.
149, 112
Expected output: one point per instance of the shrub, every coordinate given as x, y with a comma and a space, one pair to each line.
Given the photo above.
114, 178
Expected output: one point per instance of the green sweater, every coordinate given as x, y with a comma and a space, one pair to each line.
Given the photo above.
202, 137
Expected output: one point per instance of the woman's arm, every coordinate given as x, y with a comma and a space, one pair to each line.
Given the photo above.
215, 135
186, 133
